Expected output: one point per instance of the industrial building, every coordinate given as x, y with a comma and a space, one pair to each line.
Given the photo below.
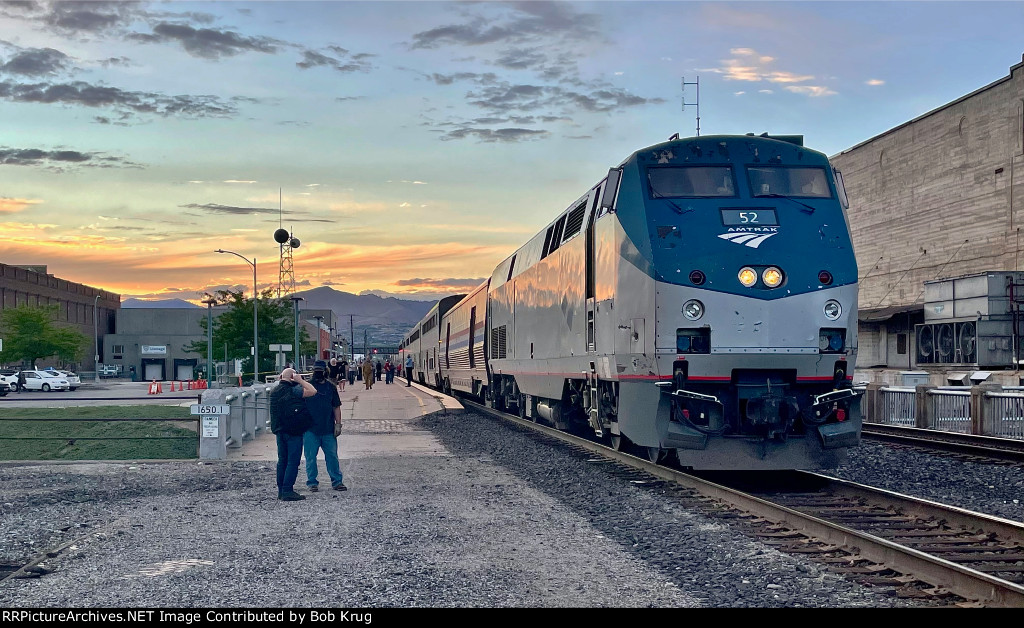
937, 206
77, 306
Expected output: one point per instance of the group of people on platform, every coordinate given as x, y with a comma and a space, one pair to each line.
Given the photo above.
306, 418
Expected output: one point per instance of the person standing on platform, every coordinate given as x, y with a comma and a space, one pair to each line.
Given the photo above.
409, 364
368, 374
342, 375
377, 369
289, 419
389, 372
325, 408
336, 374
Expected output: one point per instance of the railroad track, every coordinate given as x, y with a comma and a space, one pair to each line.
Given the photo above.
876, 537
962, 446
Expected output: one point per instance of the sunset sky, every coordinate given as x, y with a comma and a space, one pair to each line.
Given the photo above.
414, 145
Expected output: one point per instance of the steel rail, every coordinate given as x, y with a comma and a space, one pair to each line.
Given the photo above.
960, 580
984, 446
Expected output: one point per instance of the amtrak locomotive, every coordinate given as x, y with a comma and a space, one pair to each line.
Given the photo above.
699, 302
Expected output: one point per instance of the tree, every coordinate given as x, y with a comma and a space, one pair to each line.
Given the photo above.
31, 333
233, 327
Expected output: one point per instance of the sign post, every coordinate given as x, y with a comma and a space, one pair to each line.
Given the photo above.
213, 416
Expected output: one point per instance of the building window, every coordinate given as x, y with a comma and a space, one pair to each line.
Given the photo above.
901, 344
118, 351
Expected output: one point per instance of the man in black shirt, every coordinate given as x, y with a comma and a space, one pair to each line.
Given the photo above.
325, 407
289, 419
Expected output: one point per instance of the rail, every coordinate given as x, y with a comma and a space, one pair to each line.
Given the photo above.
986, 410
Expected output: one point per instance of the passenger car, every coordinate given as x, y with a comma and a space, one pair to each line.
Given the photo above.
45, 381
73, 379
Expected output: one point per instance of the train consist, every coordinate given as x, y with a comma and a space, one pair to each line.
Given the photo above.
700, 301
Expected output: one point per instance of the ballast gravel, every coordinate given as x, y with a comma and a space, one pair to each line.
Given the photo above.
495, 518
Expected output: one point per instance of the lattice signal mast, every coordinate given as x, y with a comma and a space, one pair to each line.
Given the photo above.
288, 242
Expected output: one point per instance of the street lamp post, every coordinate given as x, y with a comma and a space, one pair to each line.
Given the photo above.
319, 319
255, 318
295, 301
96, 338
210, 370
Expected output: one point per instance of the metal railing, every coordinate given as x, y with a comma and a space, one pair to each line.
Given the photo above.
249, 414
980, 410
71, 438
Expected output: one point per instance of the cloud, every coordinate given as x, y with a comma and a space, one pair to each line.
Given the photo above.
811, 90
874, 82
496, 135
526, 21
443, 285
208, 43
229, 209
36, 62
341, 60
748, 65
60, 158
84, 94
238, 181
11, 205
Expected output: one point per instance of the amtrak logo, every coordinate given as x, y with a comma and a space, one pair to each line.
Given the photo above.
750, 236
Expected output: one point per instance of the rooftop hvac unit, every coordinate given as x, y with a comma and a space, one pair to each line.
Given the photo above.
925, 345
966, 342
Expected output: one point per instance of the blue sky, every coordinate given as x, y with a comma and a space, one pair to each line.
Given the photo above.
414, 145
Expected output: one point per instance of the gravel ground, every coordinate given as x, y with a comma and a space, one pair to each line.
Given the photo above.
505, 520
989, 488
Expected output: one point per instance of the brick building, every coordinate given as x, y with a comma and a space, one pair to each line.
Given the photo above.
940, 196
32, 285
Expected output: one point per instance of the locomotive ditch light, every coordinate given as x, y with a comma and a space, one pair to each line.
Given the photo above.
825, 277
693, 309
697, 277
772, 277
832, 310
747, 276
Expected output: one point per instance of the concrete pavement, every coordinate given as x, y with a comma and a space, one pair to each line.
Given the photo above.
379, 421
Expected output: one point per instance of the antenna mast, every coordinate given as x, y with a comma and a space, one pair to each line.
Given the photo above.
695, 104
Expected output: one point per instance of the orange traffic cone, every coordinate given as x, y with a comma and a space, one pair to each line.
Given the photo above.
152, 388
159, 386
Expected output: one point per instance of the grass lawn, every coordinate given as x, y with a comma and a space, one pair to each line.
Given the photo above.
47, 434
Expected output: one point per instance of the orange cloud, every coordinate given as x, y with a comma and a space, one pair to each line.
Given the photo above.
11, 205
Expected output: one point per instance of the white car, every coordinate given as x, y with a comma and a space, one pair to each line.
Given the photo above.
73, 379
45, 381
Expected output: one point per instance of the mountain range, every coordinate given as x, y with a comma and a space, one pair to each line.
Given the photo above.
385, 320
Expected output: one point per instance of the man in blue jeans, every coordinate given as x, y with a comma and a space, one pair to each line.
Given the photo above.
289, 420
325, 407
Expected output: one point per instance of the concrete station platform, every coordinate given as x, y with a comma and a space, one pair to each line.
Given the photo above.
376, 421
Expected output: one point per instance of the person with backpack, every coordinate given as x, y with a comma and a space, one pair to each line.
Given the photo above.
289, 420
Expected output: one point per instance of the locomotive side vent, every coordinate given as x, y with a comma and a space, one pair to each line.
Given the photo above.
498, 348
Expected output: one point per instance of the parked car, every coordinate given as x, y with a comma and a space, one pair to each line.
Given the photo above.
4, 388
73, 379
10, 379
45, 381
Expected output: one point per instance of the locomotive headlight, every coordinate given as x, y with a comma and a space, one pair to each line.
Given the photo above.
748, 276
833, 310
772, 277
693, 309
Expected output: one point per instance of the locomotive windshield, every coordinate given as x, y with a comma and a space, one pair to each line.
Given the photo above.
788, 181
691, 181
